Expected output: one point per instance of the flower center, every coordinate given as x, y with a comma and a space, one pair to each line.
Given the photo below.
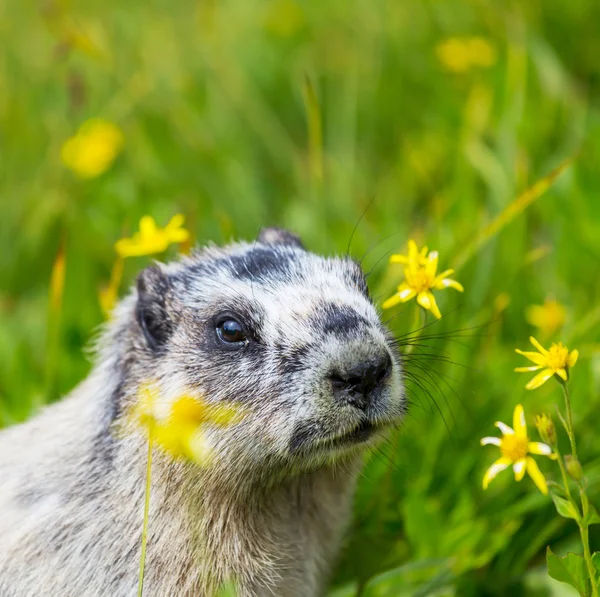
557, 356
514, 447
418, 279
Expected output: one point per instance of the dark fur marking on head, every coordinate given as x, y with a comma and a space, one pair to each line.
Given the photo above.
301, 436
262, 262
293, 360
152, 313
332, 318
357, 277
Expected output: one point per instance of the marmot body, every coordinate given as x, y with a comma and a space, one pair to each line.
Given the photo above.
291, 336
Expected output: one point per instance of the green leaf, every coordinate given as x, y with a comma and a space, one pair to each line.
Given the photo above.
596, 562
565, 508
592, 517
569, 569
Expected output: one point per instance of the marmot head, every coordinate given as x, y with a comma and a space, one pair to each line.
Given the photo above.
291, 337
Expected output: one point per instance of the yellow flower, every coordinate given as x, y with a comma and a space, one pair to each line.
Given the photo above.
151, 239
555, 361
548, 318
109, 295
481, 52
515, 448
93, 149
57, 280
420, 279
460, 54
179, 428
414, 258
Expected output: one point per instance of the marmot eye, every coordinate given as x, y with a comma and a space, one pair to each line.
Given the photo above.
231, 332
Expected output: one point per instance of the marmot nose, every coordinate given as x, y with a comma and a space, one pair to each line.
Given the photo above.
355, 386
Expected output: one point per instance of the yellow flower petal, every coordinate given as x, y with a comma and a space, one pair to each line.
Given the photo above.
539, 448
535, 357
448, 283
93, 149
547, 317
519, 424
127, 247
432, 263
527, 369
397, 258
427, 301
424, 299
538, 345
536, 315
147, 226
392, 301
199, 448
535, 473
540, 379
562, 373
413, 250
445, 274
406, 293
494, 441
573, 358
151, 239
178, 236
434, 308
519, 469
223, 415
506, 430
175, 222
497, 467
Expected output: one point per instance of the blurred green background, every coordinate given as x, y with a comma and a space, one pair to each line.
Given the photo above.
433, 116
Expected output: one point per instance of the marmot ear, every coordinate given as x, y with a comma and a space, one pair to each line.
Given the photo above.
152, 315
279, 236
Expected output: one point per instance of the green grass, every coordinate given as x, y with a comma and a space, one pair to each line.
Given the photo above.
306, 115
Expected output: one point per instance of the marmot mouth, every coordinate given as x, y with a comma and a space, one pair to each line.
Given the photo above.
309, 441
360, 434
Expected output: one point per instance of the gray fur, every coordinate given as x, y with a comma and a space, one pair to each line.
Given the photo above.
271, 508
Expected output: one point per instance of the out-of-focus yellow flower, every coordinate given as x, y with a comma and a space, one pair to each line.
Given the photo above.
179, 427
420, 279
109, 294
415, 257
151, 239
460, 54
515, 448
93, 149
548, 318
57, 280
555, 361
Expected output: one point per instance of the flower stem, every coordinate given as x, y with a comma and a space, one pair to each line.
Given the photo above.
583, 525
418, 325
565, 477
570, 431
146, 511
585, 539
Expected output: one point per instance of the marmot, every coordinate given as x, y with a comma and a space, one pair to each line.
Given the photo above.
292, 336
